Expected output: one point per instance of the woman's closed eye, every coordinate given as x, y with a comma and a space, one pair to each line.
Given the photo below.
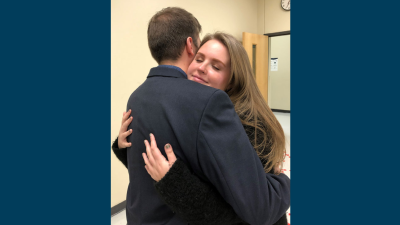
215, 67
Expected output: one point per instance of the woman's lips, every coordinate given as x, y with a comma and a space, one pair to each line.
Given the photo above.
199, 80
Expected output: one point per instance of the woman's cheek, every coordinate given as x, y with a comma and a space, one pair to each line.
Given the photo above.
191, 67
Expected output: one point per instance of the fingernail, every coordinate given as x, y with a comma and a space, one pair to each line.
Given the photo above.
144, 141
131, 117
151, 134
167, 146
131, 130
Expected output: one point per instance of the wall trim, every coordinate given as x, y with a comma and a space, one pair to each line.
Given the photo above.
280, 110
278, 33
118, 208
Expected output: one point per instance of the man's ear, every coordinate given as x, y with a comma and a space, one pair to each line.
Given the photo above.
190, 46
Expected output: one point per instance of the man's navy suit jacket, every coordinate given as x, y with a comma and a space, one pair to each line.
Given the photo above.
206, 133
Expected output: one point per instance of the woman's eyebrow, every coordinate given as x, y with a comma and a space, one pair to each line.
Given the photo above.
200, 54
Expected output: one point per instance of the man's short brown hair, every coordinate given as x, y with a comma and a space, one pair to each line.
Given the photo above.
168, 30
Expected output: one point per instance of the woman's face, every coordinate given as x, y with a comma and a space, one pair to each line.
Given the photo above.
211, 65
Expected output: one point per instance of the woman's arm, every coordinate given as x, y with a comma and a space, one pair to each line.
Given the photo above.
121, 153
195, 201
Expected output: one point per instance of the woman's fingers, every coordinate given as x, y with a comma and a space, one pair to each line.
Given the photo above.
158, 157
156, 164
126, 134
125, 116
149, 155
146, 160
149, 168
153, 142
123, 143
123, 133
170, 154
125, 124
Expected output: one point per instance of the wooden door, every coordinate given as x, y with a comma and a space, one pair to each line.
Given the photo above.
257, 49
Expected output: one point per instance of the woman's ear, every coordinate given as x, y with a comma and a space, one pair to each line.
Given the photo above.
190, 46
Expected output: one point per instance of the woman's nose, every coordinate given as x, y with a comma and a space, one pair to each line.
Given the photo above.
202, 68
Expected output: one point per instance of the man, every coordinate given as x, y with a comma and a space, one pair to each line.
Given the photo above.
202, 125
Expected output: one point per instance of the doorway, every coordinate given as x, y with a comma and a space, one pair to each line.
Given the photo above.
279, 73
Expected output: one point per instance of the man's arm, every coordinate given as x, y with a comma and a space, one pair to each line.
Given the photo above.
229, 161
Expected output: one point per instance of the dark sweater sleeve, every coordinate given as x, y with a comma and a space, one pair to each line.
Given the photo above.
194, 200
121, 153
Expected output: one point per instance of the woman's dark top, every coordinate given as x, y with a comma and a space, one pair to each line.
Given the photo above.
192, 199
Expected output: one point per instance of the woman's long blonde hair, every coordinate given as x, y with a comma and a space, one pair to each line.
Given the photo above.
269, 138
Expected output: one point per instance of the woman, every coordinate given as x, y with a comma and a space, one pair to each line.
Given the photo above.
222, 63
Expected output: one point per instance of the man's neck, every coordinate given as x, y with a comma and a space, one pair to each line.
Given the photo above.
176, 63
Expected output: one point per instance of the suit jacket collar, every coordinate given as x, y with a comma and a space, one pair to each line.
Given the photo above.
162, 71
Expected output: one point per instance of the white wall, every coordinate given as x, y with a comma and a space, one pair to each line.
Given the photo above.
131, 59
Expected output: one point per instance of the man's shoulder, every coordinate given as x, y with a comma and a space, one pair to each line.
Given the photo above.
177, 91
178, 87
206, 94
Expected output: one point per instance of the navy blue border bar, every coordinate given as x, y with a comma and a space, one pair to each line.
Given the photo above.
55, 114
344, 112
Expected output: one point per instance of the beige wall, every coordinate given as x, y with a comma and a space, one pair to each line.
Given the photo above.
131, 59
279, 81
271, 17
260, 16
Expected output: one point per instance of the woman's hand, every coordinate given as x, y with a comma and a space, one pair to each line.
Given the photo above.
156, 164
123, 131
